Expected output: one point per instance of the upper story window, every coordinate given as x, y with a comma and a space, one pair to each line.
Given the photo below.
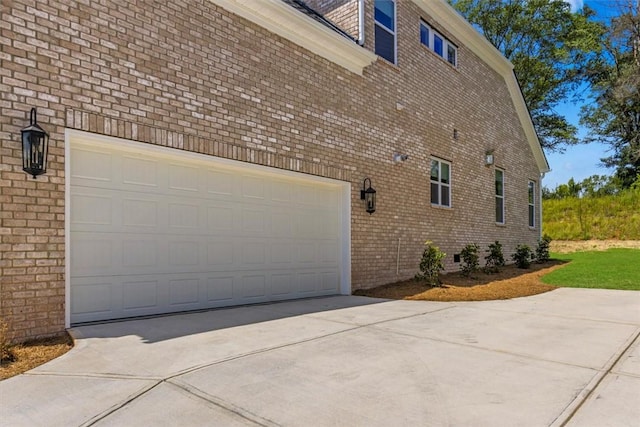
385, 29
499, 196
532, 204
440, 183
438, 43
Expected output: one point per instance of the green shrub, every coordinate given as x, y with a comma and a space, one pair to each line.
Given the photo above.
495, 259
469, 255
431, 264
542, 250
522, 256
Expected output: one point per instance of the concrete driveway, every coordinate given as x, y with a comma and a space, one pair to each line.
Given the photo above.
570, 357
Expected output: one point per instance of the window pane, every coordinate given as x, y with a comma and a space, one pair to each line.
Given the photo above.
434, 194
444, 174
531, 192
385, 44
499, 186
532, 222
385, 13
451, 54
437, 44
424, 35
445, 196
499, 209
434, 170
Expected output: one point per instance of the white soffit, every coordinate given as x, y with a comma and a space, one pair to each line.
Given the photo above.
452, 21
282, 19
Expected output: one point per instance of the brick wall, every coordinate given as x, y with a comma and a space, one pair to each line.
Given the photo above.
343, 13
189, 75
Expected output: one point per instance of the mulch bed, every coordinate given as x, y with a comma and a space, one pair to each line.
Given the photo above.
510, 282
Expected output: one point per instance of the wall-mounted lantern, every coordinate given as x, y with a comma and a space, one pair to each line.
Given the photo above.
488, 158
368, 194
399, 157
35, 144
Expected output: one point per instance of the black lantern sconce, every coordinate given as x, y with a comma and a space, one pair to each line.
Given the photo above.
368, 194
35, 144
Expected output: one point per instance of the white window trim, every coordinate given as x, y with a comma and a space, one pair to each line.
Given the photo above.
440, 184
504, 215
394, 33
531, 204
446, 43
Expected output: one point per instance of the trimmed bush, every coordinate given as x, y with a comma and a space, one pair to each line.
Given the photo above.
431, 265
470, 259
522, 256
542, 250
495, 259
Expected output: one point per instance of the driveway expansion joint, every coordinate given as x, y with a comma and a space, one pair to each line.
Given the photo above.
572, 409
221, 403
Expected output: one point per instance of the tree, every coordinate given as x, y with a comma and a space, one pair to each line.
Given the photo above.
614, 116
550, 48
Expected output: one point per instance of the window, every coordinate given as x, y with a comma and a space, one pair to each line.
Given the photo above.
424, 35
440, 183
438, 44
532, 204
385, 29
499, 196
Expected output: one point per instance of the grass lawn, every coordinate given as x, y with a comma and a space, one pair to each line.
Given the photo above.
610, 269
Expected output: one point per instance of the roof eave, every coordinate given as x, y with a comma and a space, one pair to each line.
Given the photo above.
293, 25
453, 22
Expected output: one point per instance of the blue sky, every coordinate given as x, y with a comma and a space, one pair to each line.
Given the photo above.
580, 161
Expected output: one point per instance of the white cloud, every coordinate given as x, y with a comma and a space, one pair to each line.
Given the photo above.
575, 4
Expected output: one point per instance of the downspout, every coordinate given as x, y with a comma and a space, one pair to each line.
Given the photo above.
360, 22
540, 201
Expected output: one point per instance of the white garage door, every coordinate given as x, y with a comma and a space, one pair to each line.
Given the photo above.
156, 230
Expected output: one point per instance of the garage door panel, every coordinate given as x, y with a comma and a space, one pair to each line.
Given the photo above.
184, 291
184, 253
253, 287
158, 233
281, 192
91, 252
88, 166
139, 253
329, 280
183, 178
220, 288
140, 294
183, 215
282, 222
254, 253
220, 219
221, 253
253, 188
140, 172
254, 221
92, 298
282, 284
307, 282
221, 184
328, 252
140, 213
281, 252
92, 209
